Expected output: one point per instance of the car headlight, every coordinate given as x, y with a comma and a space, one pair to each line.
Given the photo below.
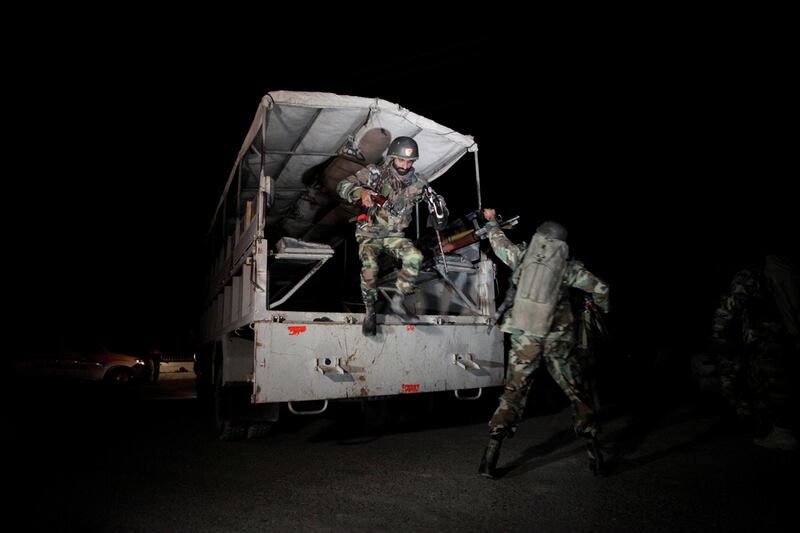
139, 362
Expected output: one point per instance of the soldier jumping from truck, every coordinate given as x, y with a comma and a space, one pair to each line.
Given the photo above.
388, 194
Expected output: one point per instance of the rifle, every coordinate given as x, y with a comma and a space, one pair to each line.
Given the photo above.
467, 237
594, 330
597, 319
508, 301
365, 212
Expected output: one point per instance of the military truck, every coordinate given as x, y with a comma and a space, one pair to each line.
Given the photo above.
281, 328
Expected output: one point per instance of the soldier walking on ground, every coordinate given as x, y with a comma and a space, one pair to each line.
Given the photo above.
541, 326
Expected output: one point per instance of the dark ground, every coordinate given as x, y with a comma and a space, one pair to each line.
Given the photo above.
82, 460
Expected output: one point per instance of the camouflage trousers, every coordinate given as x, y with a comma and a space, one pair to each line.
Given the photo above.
754, 382
526, 352
370, 249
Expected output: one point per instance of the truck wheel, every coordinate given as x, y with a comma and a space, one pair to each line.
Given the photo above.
222, 407
230, 405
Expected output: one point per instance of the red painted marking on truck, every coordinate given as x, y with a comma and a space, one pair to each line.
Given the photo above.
410, 387
410, 328
296, 330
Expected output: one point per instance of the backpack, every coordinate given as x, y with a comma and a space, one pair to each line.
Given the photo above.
538, 280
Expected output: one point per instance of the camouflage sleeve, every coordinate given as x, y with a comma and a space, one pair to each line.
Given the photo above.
350, 187
508, 252
577, 276
732, 303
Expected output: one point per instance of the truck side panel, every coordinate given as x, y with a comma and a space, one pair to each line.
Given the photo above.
298, 361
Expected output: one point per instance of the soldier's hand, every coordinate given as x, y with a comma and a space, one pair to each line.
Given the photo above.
489, 213
366, 198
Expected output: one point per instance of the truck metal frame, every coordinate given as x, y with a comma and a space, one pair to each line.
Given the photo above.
268, 335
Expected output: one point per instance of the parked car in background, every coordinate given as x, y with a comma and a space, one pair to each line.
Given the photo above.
86, 361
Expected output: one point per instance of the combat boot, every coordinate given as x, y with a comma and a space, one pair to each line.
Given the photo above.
488, 466
596, 460
396, 302
370, 326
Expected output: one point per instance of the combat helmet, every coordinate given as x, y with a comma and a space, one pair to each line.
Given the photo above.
552, 230
404, 148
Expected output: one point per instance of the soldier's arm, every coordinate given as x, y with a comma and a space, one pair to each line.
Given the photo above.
351, 187
579, 277
509, 253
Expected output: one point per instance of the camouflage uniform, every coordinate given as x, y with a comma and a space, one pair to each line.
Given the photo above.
383, 229
528, 350
753, 368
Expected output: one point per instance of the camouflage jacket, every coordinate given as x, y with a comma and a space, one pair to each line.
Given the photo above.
401, 192
575, 276
747, 312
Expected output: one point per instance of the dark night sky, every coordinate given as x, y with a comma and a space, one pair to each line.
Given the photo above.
665, 157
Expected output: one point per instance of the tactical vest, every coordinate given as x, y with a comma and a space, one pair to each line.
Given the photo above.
538, 280
395, 215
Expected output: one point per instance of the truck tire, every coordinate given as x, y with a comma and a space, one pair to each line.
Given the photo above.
231, 405
222, 409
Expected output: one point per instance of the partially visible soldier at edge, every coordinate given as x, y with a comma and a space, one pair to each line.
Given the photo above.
541, 325
388, 194
755, 335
